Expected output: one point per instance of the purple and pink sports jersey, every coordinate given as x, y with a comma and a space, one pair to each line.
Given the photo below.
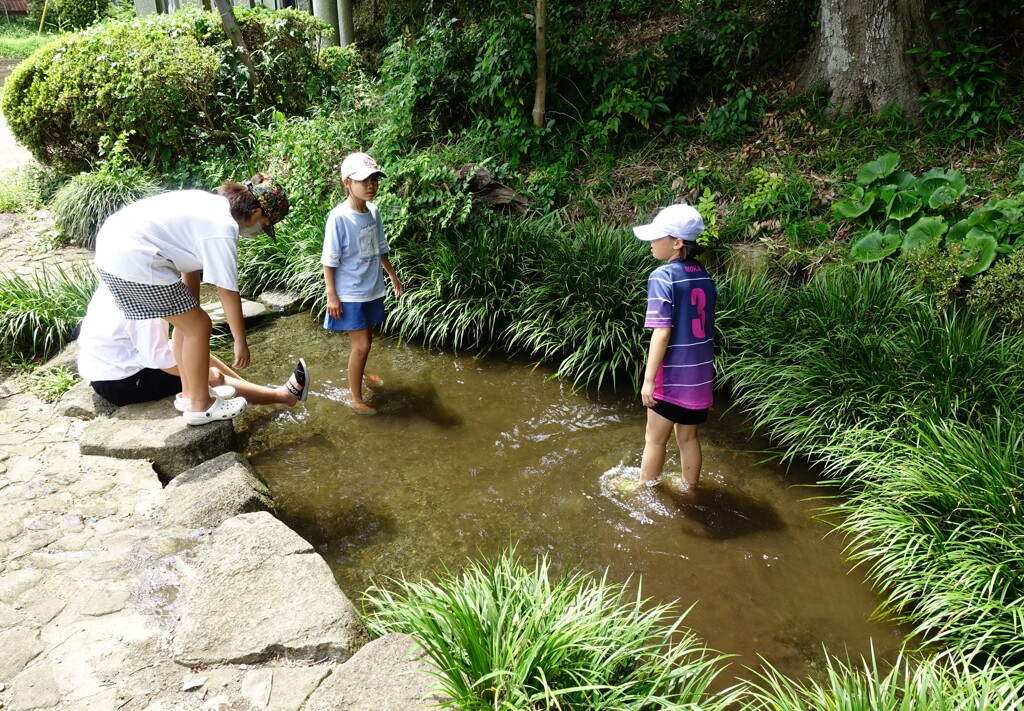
681, 296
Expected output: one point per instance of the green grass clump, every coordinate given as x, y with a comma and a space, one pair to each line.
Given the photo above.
918, 417
584, 304
941, 529
50, 383
39, 314
858, 350
81, 206
503, 636
908, 685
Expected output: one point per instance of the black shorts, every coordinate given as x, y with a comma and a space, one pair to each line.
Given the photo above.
146, 385
680, 415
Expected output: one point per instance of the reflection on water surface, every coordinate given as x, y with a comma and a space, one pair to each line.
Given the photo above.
469, 455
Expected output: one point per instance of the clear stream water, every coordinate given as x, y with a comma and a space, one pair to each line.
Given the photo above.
468, 455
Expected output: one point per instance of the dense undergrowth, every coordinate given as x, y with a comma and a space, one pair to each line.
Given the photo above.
902, 379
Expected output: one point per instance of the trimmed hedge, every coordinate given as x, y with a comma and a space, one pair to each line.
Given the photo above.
173, 79
68, 15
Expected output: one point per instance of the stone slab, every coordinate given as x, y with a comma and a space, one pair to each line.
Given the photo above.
388, 673
261, 591
207, 495
155, 431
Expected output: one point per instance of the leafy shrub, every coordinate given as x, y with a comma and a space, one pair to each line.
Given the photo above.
732, 119
81, 206
936, 271
503, 636
68, 15
61, 101
1000, 291
306, 152
173, 78
284, 46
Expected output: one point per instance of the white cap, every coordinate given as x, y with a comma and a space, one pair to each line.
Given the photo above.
680, 221
359, 166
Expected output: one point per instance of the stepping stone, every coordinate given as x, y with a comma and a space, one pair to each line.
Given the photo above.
250, 310
157, 432
280, 300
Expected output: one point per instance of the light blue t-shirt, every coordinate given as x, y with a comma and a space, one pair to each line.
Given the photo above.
353, 244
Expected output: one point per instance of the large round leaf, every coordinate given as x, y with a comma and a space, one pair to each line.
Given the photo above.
957, 232
878, 169
942, 197
903, 205
902, 178
927, 230
978, 249
875, 246
950, 183
855, 205
987, 217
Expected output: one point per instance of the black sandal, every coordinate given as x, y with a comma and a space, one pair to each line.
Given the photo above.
301, 375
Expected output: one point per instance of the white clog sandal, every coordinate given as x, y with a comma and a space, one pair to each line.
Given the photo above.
219, 410
224, 392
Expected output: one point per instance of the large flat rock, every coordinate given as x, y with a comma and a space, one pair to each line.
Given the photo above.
207, 495
157, 432
261, 591
390, 673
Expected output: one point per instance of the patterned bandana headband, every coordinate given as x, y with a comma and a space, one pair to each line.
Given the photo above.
273, 201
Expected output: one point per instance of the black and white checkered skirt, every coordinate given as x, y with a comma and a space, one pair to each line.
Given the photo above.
145, 301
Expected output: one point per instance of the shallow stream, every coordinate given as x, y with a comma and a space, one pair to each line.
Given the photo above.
467, 455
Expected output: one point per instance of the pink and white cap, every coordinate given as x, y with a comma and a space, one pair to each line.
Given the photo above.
359, 166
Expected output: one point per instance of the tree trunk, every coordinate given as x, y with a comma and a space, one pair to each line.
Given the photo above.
540, 95
227, 19
345, 24
327, 12
860, 54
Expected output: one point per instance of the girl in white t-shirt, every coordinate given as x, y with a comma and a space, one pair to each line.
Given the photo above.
150, 255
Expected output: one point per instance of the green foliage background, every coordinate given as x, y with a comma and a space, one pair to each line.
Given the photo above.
901, 380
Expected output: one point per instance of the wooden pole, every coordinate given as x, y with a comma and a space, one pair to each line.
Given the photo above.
43, 18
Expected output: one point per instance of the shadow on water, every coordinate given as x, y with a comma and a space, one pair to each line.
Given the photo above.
417, 401
722, 513
467, 455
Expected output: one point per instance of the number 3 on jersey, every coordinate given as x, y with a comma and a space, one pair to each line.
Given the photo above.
698, 299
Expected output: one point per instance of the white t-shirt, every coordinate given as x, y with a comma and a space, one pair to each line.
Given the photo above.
353, 243
155, 240
110, 347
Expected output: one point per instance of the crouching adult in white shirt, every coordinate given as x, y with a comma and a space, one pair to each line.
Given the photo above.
131, 361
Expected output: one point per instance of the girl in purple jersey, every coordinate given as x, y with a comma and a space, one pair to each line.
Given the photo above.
677, 387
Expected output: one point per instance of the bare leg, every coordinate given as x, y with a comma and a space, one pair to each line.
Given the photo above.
191, 346
655, 438
254, 394
361, 342
221, 374
217, 364
690, 456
